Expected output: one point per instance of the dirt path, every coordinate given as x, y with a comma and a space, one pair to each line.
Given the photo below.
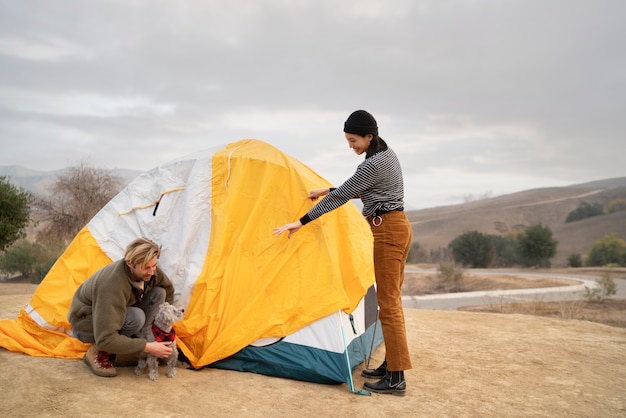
465, 365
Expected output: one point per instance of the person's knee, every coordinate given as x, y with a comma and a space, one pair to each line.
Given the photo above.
85, 337
156, 295
135, 319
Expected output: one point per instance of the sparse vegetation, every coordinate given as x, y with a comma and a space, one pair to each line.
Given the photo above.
609, 312
450, 277
571, 309
606, 288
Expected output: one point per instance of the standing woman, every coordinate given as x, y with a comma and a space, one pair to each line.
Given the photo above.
378, 183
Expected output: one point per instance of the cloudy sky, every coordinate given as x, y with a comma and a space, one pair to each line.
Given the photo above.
478, 97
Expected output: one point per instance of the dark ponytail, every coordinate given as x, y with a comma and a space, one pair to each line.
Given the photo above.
377, 144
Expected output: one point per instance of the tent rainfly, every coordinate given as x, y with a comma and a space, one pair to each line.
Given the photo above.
253, 302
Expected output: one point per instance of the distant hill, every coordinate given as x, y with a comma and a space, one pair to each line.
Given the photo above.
436, 227
38, 182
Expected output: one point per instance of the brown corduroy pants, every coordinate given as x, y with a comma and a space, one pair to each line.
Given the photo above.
392, 240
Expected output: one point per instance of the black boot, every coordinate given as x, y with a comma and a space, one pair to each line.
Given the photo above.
378, 373
393, 383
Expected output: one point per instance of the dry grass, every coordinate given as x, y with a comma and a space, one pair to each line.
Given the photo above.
610, 312
417, 284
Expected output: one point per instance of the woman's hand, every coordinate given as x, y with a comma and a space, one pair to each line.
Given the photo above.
314, 194
292, 228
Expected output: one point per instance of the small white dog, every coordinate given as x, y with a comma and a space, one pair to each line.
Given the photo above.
161, 330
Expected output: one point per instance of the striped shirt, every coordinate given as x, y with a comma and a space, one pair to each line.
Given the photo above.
377, 182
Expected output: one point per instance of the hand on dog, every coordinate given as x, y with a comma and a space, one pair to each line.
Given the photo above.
159, 350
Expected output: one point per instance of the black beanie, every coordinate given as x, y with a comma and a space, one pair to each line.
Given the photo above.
361, 123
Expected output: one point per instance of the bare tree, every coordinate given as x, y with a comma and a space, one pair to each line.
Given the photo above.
74, 199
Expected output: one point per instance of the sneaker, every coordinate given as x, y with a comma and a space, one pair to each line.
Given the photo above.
392, 384
377, 373
98, 362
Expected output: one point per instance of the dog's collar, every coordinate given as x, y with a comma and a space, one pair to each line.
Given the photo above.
162, 336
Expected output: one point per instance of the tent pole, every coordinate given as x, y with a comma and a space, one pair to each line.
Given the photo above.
345, 347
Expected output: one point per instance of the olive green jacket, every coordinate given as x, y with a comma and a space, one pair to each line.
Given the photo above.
99, 306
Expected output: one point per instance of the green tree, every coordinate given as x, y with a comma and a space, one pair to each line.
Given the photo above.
473, 249
505, 251
608, 250
14, 212
536, 246
583, 211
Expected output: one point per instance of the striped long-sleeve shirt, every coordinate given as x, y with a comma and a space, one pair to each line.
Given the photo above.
377, 182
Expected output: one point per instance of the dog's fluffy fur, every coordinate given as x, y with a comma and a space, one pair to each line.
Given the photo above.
165, 319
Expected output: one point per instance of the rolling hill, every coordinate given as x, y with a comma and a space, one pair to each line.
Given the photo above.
435, 227
38, 182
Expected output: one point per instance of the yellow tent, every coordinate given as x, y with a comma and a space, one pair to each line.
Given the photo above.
213, 213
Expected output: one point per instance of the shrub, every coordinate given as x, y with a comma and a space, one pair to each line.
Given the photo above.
574, 260
450, 276
608, 250
505, 251
473, 249
30, 260
607, 288
617, 205
536, 246
583, 211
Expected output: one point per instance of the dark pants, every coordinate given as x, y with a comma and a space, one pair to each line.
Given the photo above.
136, 317
392, 241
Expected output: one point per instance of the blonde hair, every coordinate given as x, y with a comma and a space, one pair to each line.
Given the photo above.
140, 251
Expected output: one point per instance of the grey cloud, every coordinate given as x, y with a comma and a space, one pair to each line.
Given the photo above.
504, 87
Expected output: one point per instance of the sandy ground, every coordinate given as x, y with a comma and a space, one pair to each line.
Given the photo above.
465, 365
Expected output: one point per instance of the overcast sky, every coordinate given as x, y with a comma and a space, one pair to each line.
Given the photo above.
477, 97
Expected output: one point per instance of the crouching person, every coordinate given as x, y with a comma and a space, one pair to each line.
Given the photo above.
110, 308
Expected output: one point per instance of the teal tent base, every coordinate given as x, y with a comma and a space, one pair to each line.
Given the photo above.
294, 361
